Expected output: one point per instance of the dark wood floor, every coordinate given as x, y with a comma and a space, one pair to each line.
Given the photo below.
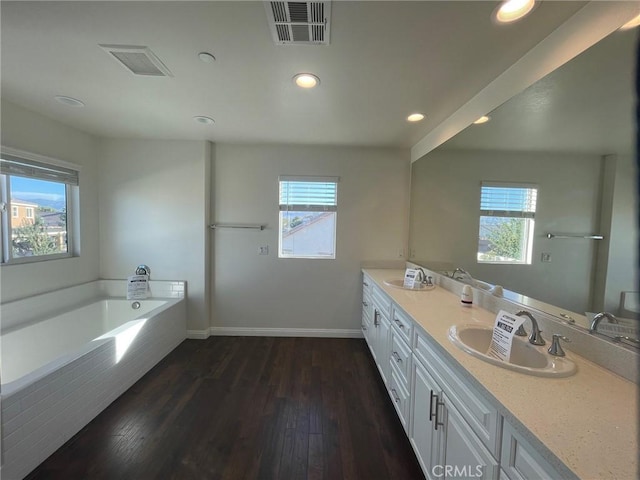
246, 408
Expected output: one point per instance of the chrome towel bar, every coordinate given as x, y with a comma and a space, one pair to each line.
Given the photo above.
237, 225
588, 237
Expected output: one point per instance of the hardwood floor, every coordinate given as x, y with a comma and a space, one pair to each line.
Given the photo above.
246, 408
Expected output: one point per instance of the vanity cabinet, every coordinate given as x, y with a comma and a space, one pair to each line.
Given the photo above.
367, 309
376, 307
454, 430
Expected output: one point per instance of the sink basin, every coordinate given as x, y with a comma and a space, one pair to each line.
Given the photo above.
525, 358
399, 283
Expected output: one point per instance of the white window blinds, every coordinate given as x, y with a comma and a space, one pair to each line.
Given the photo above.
10, 165
308, 193
508, 200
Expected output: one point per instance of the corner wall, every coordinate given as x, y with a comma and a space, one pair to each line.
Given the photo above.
26, 130
153, 211
263, 293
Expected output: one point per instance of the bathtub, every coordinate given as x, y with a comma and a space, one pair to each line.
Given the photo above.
60, 370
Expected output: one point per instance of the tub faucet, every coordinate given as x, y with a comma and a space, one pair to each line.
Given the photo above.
143, 270
598, 318
535, 338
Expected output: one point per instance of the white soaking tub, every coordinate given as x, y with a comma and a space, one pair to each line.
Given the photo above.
59, 371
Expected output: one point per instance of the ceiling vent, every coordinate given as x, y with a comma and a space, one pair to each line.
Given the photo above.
138, 60
299, 23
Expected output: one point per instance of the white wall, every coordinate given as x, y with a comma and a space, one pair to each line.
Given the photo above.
154, 210
622, 245
32, 132
255, 292
445, 218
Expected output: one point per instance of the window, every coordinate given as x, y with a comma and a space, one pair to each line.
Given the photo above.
42, 194
308, 210
507, 213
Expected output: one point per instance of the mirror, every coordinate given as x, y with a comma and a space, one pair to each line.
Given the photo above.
571, 134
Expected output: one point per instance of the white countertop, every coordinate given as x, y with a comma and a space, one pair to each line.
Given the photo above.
589, 420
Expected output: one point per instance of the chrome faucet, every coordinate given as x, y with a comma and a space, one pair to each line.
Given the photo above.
598, 318
464, 273
423, 278
143, 270
535, 338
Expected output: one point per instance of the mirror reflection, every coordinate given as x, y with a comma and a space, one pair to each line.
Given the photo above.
567, 144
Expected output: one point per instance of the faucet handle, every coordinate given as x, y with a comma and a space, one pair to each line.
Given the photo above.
556, 349
521, 332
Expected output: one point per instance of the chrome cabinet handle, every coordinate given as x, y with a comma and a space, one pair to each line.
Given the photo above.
437, 422
365, 304
398, 322
365, 284
431, 397
397, 358
396, 398
363, 327
375, 317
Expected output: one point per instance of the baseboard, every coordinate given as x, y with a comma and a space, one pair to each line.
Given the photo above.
198, 334
285, 332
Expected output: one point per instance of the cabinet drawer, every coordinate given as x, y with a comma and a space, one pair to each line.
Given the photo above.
482, 416
402, 324
400, 358
400, 397
381, 301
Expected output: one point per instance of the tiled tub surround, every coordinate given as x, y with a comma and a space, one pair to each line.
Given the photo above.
43, 409
585, 425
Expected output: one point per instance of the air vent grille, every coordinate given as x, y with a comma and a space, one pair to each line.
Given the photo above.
138, 60
301, 23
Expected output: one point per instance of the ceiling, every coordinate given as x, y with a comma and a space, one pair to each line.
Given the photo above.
385, 61
587, 105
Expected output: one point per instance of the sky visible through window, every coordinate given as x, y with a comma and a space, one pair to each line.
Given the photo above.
32, 190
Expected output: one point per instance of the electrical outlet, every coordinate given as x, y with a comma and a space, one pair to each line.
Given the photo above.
263, 250
545, 257
401, 253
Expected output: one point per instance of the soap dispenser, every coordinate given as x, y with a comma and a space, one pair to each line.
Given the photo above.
466, 298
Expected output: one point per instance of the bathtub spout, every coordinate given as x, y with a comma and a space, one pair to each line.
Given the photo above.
143, 270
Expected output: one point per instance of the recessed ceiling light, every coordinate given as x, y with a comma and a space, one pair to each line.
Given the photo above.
512, 10
634, 22
306, 80
204, 120
206, 57
415, 117
481, 120
70, 101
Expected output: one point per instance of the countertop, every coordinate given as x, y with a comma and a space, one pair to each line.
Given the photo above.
589, 420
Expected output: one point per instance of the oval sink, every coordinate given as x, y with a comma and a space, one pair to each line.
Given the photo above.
399, 283
525, 358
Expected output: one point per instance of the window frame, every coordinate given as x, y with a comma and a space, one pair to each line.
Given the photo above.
315, 207
519, 213
72, 202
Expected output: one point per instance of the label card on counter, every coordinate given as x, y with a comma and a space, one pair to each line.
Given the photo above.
137, 287
410, 276
504, 329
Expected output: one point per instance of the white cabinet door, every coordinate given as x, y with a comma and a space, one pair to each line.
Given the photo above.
382, 331
465, 456
520, 461
426, 440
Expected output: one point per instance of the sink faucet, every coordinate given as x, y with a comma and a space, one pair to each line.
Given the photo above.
598, 318
535, 338
464, 273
